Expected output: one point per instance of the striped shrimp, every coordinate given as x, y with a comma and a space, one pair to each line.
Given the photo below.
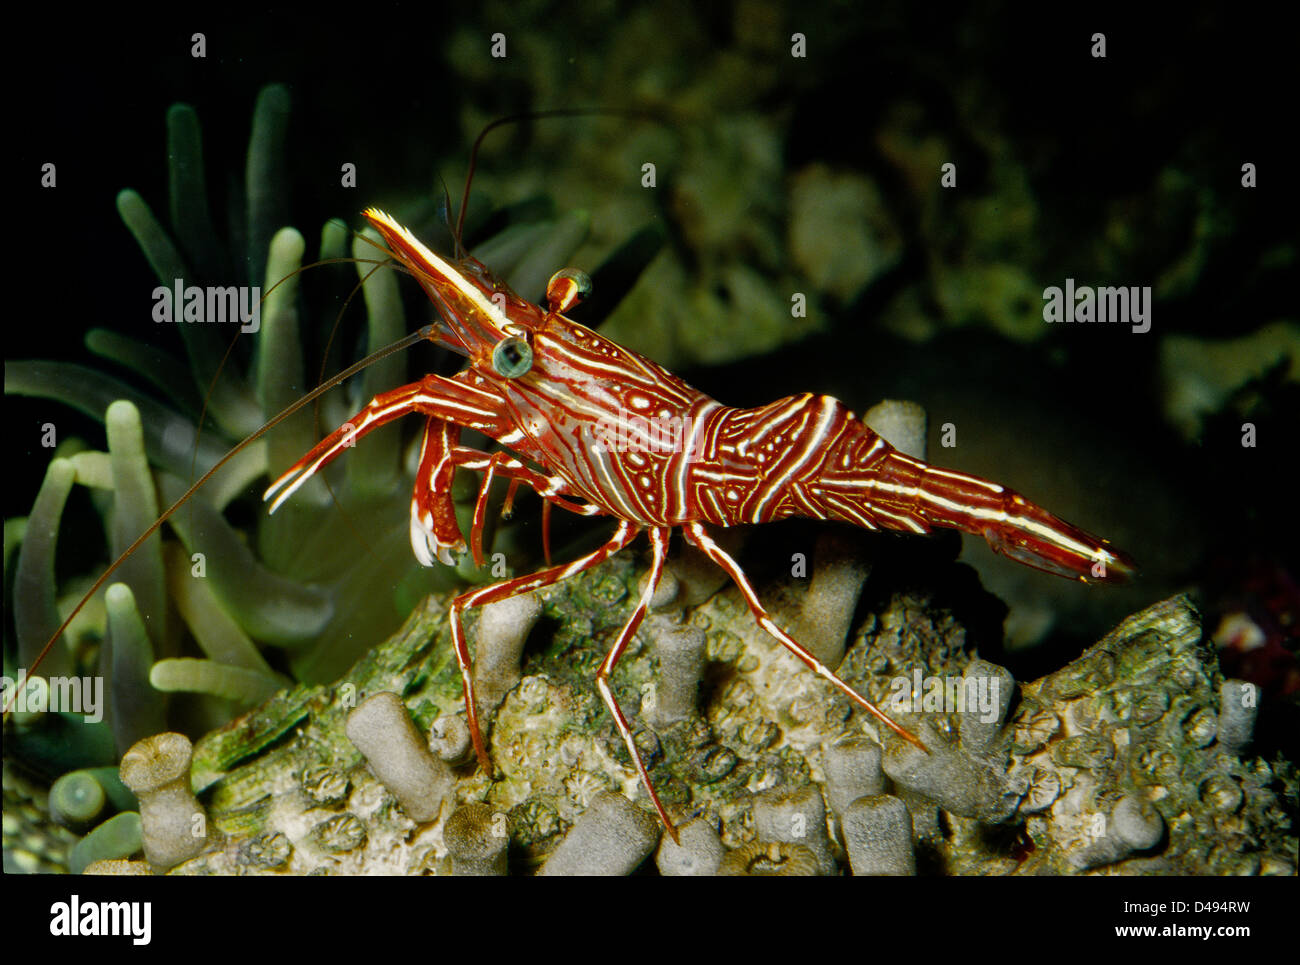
600, 430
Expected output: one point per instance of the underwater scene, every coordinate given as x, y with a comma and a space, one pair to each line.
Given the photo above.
1023, 601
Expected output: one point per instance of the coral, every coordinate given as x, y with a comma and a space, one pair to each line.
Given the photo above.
981, 720
611, 837
296, 581
450, 739
697, 852
499, 644
173, 823
1133, 826
476, 840
767, 746
1125, 767
795, 817
825, 611
769, 859
878, 836
382, 730
852, 768
270, 851
951, 776
1081, 742
681, 650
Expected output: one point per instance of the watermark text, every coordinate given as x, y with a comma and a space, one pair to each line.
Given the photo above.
69, 695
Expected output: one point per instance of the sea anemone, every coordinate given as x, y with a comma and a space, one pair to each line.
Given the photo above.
305, 583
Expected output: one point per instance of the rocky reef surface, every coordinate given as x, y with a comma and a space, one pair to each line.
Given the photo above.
1132, 759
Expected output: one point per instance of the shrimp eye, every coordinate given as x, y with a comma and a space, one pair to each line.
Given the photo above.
512, 357
567, 288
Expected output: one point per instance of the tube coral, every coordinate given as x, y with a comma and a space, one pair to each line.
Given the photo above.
383, 731
681, 650
795, 816
878, 836
173, 822
852, 767
502, 629
1238, 706
611, 837
697, 851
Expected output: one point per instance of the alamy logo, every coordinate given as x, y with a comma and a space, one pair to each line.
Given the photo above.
946, 695
75, 917
229, 305
627, 432
69, 695
1129, 306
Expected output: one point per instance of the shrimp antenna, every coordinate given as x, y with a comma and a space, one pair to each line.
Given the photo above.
398, 346
527, 116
